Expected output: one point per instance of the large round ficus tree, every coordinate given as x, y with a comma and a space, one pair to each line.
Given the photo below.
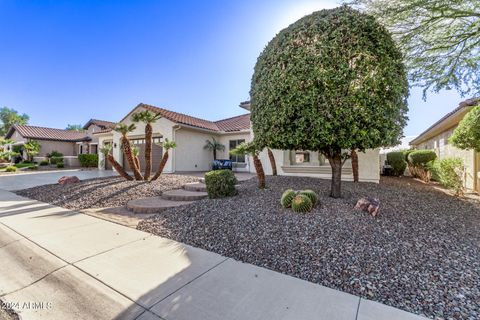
332, 82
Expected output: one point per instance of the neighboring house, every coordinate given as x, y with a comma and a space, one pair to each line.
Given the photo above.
70, 143
436, 138
190, 134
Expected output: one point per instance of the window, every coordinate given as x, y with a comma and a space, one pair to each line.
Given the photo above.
302, 157
232, 145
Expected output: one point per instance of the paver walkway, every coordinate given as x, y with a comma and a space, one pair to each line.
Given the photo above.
69, 265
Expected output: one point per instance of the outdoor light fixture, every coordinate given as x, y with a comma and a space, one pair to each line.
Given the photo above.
115, 145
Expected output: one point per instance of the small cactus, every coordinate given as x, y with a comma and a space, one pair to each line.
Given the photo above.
287, 198
301, 203
311, 195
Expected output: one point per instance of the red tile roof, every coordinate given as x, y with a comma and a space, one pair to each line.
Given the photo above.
237, 123
228, 125
42, 133
101, 123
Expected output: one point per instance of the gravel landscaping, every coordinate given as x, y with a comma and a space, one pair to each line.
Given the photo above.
421, 254
104, 192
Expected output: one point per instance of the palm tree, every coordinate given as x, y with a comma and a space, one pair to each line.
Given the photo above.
213, 145
272, 161
166, 145
354, 157
136, 153
148, 118
127, 150
252, 149
106, 151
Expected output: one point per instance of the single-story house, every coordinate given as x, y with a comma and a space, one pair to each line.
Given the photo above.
68, 142
190, 134
436, 138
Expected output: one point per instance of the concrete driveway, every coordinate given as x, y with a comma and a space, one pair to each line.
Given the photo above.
33, 179
59, 264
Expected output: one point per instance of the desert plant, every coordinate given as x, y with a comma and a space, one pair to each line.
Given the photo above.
252, 149
301, 204
450, 174
396, 159
136, 153
88, 160
309, 88
311, 195
106, 150
11, 169
214, 146
32, 148
60, 165
220, 183
287, 197
148, 118
55, 160
166, 145
124, 129
418, 163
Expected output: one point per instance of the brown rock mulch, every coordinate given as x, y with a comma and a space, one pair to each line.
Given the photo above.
421, 253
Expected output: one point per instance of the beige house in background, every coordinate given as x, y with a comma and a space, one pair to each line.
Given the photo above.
436, 138
69, 143
190, 134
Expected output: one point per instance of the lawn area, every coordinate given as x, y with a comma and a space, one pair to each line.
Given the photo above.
421, 254
104, 192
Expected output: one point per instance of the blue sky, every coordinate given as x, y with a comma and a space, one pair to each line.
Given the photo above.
65, 62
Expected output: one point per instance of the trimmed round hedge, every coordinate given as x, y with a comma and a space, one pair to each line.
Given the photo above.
421, 157
220, 183
397, 160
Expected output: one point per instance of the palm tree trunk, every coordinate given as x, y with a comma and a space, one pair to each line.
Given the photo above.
260, 173
127, 151
354, 157
161, 166
118, 167
272, 162
148, 150
137, 163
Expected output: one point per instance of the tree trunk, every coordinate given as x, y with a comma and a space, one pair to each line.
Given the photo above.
272, 162
354, 157
137, 163
336, 165
127, 151
118, 167
260, 173
148, 150
161, 166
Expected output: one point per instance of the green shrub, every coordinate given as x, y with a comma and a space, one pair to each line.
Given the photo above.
311, 195
60, 165
44, 163
301, 203
220, 183
88, 160
10, 169
33, 168
421, 157
397, 160
434, 169
287, 198
55, 160
450, 174
406, 153
55, 154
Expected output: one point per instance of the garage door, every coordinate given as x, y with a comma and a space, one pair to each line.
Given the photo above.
156, 154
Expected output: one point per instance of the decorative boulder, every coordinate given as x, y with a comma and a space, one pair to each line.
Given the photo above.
68, 180
370, 205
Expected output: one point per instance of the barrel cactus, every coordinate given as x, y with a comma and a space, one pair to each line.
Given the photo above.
301, 203
311, 195
287, 198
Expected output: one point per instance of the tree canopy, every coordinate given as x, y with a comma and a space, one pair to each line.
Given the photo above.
467, 134
10, 117
333, 81
74, 127
440, 39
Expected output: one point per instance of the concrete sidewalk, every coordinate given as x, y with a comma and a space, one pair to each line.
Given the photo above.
67, 265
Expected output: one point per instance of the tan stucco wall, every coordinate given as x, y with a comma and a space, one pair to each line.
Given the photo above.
444, 149
190, 154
